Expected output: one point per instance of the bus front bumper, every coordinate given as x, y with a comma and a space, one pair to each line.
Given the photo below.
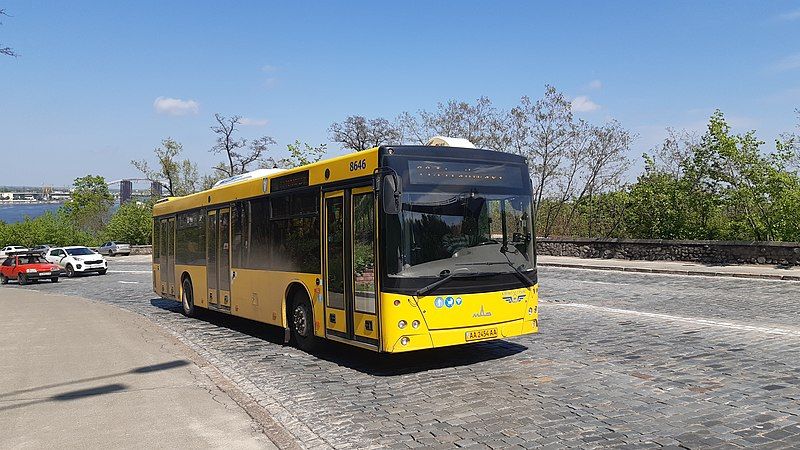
456, 336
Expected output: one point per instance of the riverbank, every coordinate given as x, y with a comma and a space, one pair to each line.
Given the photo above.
13, 212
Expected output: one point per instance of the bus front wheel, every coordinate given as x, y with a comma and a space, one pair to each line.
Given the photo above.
301, 322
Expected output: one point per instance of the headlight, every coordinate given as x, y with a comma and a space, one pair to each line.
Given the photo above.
30, 270
77, 259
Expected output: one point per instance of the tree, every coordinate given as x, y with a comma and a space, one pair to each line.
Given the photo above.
89, 204
8, 51
760, 191
300, 154
233, 147
178, 176
478, 123
132, 223
357, 133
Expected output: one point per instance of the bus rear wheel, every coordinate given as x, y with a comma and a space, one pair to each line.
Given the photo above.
187, 298
301, 322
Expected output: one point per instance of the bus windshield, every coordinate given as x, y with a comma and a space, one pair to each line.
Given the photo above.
443, 232
465, 216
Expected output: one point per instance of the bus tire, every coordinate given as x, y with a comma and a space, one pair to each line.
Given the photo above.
187, 298
301, 323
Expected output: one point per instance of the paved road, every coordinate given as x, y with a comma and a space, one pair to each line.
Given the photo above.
623, 359
78, 374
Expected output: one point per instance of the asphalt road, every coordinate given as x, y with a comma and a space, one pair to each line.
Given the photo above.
622, 359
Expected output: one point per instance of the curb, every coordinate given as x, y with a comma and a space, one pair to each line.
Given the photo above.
794, 278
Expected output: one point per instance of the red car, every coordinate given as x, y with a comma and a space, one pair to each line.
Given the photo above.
27, 267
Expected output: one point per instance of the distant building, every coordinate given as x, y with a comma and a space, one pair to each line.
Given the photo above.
125, 191
156, 189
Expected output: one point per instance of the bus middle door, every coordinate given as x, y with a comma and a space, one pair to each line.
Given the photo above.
350, 287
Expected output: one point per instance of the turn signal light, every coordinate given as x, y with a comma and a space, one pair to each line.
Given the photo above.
397, 303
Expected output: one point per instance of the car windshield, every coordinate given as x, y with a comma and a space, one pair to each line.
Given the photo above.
79, 251
444, 232
31, 259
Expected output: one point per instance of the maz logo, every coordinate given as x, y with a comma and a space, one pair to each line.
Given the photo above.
482, 313
512, 299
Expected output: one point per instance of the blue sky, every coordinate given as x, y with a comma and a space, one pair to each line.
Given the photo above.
83, 97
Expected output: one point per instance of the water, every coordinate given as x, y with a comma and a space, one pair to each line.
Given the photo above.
11, 213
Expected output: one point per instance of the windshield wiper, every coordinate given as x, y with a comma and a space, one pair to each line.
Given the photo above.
458, 273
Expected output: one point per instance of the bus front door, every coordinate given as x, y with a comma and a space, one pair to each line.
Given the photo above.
349, 273
218, 258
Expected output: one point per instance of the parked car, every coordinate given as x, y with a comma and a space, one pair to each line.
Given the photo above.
12, 249
114, 248
41, 249
77, 260
28, 267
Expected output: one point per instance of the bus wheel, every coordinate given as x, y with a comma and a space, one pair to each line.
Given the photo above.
301, 322
187, 298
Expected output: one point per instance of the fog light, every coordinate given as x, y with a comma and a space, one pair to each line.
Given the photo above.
530, 311
415, 324
404, 340
402, 324
77, 266
397, 303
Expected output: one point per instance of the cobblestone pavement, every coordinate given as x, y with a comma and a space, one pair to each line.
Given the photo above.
623, 360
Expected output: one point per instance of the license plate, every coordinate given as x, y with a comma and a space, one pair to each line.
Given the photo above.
44, 274
485, 333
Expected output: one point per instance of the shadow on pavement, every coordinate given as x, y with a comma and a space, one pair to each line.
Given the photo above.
361, 360
138, 370
71, 395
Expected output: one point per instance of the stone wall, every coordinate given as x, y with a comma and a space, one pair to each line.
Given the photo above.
141, 249
715, 252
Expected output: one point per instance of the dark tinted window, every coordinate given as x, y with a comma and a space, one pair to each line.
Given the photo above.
241, 233
284, 233
295, 233
190, 241
259, 255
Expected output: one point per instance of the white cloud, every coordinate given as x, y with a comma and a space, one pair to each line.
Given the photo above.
790, 62
268, 68
582, 103
175, 106
248, 122
791, 15
595, 84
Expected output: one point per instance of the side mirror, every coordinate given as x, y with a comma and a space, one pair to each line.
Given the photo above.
390, 195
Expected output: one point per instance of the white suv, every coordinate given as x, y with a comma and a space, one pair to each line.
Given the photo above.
11, 249
76, 260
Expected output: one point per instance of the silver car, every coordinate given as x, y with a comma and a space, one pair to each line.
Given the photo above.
113, 248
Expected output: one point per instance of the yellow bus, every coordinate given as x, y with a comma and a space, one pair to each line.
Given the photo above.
392, 249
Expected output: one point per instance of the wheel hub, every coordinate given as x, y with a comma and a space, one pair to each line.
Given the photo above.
300, 320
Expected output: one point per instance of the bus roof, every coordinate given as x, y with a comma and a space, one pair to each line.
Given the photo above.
341, 168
